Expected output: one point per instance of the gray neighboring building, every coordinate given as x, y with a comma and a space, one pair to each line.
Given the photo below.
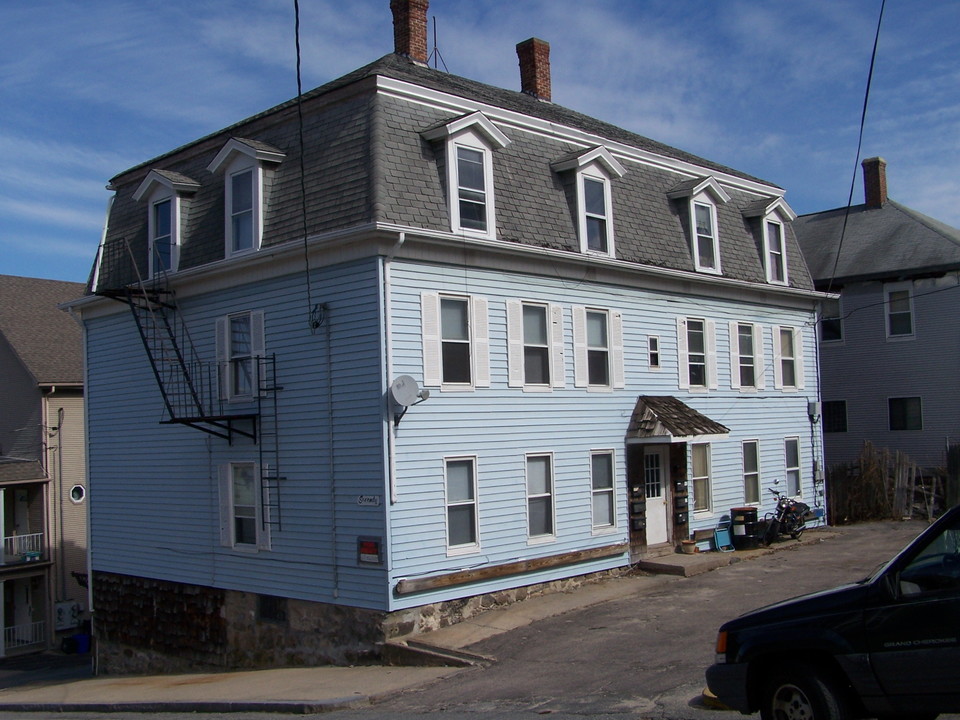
43, 509
889, 347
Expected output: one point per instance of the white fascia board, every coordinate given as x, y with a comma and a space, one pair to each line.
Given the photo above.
478, 122
599, 155
154, 178
708, 184
237, 146
778, 205
436, 99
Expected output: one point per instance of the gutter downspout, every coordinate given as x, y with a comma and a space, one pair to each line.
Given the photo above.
388, 345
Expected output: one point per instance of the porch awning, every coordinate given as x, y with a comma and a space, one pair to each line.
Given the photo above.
13, 470
666, 417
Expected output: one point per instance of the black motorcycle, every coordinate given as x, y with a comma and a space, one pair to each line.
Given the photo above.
788, 518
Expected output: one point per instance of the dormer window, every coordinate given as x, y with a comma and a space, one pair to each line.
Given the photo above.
772, 214
594, 169
246, 165
165, 193
699, 198
470, 141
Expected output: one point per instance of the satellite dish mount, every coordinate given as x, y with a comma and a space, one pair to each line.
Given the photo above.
405, 393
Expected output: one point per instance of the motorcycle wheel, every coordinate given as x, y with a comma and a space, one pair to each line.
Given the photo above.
799, 692
797, 532
772, 532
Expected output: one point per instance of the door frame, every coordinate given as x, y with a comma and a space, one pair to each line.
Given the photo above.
636, 495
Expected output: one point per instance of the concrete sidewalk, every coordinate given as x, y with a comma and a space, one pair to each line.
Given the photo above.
60, 683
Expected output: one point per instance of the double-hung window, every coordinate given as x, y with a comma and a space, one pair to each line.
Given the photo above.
653, 352
905, 413
751, 471
535, 345
834, 416
601, 481
593, 171
242, 525
240, 350
791, 452
461, 501
247, 166
706, 246
788, 358
540, 496
455, 341
697, 356
746, 356
165, 192
469, 144
700, 477
776, 255
899, 306
831, 321
598, 348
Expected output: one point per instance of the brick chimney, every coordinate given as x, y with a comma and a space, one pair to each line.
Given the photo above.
874, 182
534, 57
410, 29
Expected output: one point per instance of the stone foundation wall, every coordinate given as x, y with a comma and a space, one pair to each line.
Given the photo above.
145, 626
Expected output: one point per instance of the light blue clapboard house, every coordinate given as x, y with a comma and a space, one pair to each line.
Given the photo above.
436, 342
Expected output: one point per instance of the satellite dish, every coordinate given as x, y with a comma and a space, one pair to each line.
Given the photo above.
404, 391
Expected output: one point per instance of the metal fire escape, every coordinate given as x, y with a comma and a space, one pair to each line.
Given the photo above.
191, 387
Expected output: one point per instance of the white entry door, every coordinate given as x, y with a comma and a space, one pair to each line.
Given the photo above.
655, 479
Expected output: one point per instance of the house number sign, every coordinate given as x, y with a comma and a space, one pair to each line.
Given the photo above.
368, 500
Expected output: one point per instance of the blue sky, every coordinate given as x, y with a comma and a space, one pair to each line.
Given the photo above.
772, 88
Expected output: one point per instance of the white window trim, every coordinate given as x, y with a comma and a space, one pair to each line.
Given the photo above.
432, 342
473, 141
651, 341
798, 467
227, 530
257, 350
889, 288
703, 512
465, 548
156, 198
515, 346
615, 365
595, 172
759, 471
705, 200
759, 362
768, 255
552, 536
798, 369
612, 491
683, 355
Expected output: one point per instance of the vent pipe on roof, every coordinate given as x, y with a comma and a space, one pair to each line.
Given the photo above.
534, 57
410, 29
874, 182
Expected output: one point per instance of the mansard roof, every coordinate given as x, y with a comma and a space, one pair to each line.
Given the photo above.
367, 161
888, 242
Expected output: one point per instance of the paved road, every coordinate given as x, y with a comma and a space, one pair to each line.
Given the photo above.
638, 657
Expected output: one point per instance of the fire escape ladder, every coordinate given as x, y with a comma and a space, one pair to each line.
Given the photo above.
268, 443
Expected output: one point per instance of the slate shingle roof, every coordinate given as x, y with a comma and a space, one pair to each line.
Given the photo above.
887, 242
46, 339
366, 161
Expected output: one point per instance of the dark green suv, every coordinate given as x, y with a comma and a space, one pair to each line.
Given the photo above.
887, 646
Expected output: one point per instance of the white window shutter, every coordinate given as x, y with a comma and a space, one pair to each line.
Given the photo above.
759, 358
711, 340
557, 365
683, 365
798, 357
430, 336
257, 349
226, 506
514, 343
616, 348
580, 376
777, 358
223, 361
481, 342
734, 355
